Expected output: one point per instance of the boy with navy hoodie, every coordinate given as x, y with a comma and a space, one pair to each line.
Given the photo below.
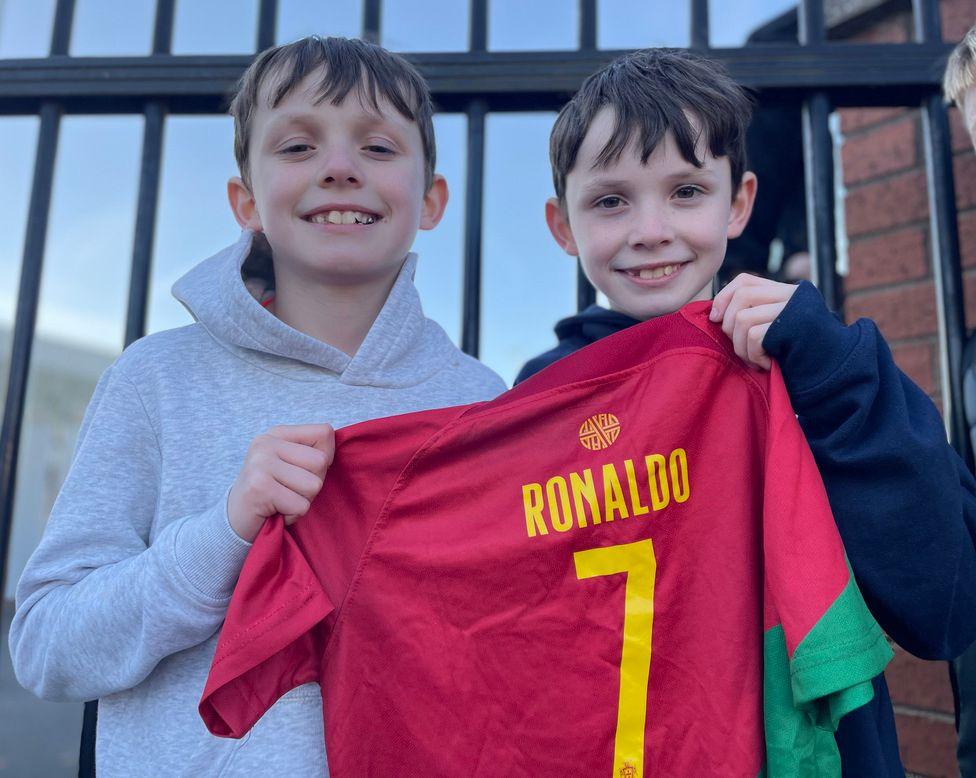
648, 163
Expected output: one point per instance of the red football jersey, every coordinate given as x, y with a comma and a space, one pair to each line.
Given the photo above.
601, 572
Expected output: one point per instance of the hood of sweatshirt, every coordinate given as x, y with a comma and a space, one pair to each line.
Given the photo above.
592, 324
402, 347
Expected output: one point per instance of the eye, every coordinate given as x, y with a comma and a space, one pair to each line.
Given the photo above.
609, 202
688, 192
379, 148
296, 148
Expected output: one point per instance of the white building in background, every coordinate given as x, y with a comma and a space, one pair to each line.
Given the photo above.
61, 382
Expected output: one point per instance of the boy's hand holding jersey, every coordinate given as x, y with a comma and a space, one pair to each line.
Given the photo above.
747, 306
283, 471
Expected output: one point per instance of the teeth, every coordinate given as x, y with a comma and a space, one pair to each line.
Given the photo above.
342, 217
657, 272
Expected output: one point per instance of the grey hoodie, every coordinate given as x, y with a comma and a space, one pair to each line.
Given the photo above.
125, 594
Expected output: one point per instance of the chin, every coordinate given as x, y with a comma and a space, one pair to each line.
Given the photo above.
642, 310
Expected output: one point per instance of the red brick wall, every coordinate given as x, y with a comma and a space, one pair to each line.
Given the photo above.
891, 281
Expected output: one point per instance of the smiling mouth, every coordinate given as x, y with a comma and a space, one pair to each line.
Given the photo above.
342, 217
650, 273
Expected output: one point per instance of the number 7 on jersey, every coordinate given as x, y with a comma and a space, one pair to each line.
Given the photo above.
637, 561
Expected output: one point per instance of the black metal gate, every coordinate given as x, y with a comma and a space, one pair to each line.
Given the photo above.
816, 74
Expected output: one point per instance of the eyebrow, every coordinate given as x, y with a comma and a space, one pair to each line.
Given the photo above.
604, 184
285, 120
304, 119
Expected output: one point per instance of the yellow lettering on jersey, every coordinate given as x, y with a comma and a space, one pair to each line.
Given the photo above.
638, 563
657, 480
560, 512
532, 500
563, 502
680, 485
582, 488
635, 500
613, 495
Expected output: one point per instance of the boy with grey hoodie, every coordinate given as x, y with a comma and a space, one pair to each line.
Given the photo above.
196, 435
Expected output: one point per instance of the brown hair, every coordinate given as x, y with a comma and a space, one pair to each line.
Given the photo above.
651, 92
346, 64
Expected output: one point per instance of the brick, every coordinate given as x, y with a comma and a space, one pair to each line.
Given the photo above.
927, 747
957, 128
957, 17
969, 295
882, 150
900, 313
887, 259
964, 170
967, 237
918, 362
919, 684
892, 202
854, 119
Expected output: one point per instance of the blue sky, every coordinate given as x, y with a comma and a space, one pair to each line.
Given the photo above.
527, 283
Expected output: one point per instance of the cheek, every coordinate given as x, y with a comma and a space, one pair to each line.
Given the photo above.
274, 196
708, 229
596, 238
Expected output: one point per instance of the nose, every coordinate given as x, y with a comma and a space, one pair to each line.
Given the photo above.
651, 228
339, 168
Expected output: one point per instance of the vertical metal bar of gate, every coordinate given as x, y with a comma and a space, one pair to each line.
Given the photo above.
474, 195
152, 143
29, 290
587, 25
818, 171
152, 151
25, 319
64, 15
163, 27
372, 17
585, 293
267, 24
699, 24
818, 167
944, 242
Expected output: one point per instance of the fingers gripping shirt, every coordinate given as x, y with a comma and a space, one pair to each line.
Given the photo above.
625, 566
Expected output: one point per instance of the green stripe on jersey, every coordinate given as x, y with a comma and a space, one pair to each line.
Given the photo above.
829, 676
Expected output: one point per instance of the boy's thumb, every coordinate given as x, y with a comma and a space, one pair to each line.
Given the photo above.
325, 440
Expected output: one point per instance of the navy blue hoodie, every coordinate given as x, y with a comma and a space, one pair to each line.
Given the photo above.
904, 502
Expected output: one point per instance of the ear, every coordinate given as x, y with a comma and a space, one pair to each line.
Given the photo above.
435, 201
243, 205
558, 222
742, 204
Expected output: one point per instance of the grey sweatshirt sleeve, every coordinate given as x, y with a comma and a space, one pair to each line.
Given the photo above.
103, 600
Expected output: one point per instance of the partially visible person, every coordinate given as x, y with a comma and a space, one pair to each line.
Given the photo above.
959, 83
195, 436
959, 86
651, 181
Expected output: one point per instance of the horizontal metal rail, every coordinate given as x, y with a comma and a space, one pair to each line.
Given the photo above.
853, 74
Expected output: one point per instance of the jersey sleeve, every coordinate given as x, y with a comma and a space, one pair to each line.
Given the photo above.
881, 447
295, 578
267, 644
822, 647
